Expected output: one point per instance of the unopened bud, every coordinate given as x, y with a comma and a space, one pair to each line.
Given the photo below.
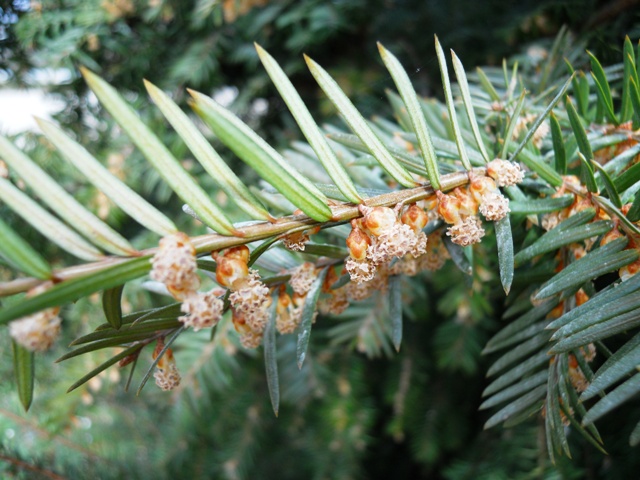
358, 242
129, 359
588, 352
240, 252
581, 297
415, 217
576, 376
479, 186
239, 322
629, 271
449, 208
610, 236
230, 270
377, 220
468, 204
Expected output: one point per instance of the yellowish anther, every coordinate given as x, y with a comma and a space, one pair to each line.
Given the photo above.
36, 332
336, 303
330, 278
244, 321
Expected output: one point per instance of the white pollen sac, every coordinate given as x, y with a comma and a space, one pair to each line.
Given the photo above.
360, 270
467, 232
252, 301
302, 278
251, 339
296, 241
174, 264
36, 332
167, 378
494, 206
395, 242
505, 173
202, 309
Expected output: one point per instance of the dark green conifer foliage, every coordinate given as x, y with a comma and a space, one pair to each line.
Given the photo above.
348, 404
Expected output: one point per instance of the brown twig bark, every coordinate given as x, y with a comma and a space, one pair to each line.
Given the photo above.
259, 231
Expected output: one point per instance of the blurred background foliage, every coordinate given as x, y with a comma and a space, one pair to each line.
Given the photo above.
208, 44
351, 412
